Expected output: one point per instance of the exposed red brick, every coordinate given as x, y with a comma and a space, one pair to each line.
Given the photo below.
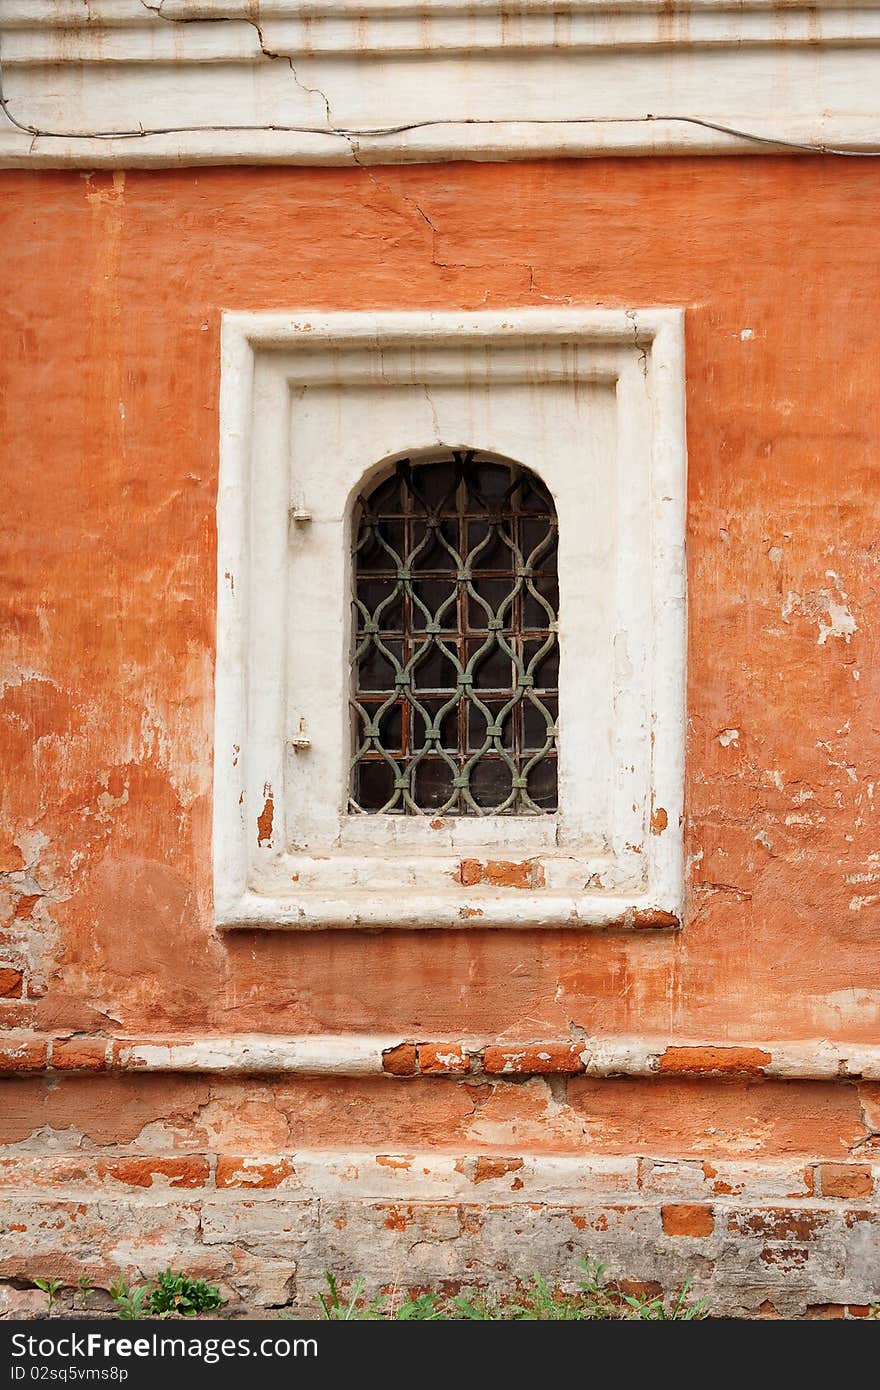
443, 1057
397, 1220
401, 1060
11, 982
636, 1288
719, 1186
11, 858
777, 1223
26, 1054
488, 1167
858, 1310
502, 873
121, 1053
24, 907
855, 1216
190, 1170
767, 1310
687, 1219
704, 1061
845, 1180
646, 917
248, 1172
265, 820
534, 1059
79, 1054
659, 820
470, 871
825, 1310
786, 1258
44, 1171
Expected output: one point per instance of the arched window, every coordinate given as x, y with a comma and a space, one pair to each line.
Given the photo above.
455, 670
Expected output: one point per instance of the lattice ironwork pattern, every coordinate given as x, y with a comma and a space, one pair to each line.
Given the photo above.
455, 672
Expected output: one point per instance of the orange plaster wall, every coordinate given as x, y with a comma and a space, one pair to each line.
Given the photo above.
621, 1116
114, 285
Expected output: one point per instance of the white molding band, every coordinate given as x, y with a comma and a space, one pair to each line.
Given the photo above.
397, 1056
126, 82
515, 1176
816, 1059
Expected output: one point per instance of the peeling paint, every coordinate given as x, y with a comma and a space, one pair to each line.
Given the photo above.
828, 607
266, 818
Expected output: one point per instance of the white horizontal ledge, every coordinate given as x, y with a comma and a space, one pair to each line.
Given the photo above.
516, 909
110, 14
493, 141
813, 1059
449, 29
341, 1055
401, 1055
112, 31
414, 328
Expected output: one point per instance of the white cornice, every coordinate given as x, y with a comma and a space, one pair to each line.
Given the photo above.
331, 82
177, 31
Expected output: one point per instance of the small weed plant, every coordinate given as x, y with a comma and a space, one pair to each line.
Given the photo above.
171, 1294
50, 1288
595, 1299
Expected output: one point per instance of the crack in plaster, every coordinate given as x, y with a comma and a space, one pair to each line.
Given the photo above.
640, 345
433, 409
778, 142
354, 147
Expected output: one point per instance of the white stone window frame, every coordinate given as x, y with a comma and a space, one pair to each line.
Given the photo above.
313, 406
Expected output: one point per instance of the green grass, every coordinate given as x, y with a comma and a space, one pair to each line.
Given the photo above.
595, 1299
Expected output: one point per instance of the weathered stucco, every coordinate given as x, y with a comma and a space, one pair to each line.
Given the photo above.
110, 363
385, 81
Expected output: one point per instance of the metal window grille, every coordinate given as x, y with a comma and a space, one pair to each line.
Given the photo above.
455, 671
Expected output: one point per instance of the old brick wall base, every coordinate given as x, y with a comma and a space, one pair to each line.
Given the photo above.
759, 1192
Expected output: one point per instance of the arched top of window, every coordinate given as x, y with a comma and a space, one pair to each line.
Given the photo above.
455, 666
